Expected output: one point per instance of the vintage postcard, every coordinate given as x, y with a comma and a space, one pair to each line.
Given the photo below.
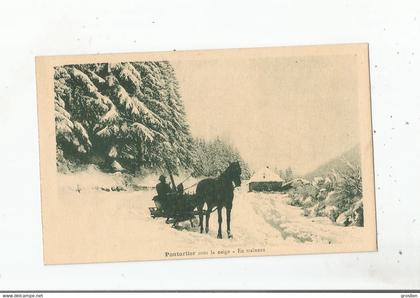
204, 154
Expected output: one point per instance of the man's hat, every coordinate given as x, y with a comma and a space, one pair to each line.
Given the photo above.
162, 178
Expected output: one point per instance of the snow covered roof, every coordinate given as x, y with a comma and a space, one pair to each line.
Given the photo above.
265, 175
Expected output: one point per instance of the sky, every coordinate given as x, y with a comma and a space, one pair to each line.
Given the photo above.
281, 112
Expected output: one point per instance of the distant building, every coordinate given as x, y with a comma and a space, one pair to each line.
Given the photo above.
265, 180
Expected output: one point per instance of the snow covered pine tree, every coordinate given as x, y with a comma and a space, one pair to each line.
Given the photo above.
130, 114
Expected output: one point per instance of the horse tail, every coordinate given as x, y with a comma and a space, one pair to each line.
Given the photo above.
199, 195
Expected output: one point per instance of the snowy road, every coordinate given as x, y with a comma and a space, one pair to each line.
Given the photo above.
257, 218
112, 226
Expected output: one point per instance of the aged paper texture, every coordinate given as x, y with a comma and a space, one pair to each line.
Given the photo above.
202, 154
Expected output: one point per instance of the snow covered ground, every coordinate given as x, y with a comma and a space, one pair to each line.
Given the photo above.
86, 225
257, 218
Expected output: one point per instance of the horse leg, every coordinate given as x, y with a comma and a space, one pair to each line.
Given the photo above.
219, 219
228, 210
208, 213
200, 215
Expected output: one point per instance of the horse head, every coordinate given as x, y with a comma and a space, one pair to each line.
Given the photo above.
235, 172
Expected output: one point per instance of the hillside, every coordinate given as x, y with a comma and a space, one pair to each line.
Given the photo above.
337, 163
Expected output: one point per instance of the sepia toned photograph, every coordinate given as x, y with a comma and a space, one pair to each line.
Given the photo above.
205, 154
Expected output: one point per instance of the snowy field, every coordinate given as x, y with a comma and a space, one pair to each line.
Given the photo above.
95, 224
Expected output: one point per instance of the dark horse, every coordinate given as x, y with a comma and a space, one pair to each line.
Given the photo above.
218, 192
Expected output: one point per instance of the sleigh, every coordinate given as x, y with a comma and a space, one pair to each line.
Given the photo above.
178, 208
